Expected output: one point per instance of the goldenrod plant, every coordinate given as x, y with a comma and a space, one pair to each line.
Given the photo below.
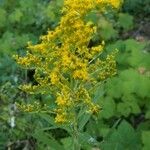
68, 67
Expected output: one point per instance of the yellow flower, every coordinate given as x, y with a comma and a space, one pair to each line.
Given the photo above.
94, 109
80, 74
54, 77
63, 100
61, 118
66, 64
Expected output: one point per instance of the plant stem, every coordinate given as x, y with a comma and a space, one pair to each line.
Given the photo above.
76, 144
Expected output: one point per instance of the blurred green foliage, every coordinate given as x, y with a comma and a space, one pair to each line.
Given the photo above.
137, 7
123, 123
22, 21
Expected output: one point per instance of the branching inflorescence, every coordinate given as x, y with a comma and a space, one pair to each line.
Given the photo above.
64, 63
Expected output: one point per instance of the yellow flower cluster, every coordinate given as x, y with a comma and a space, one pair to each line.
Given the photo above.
65, 64
29, 107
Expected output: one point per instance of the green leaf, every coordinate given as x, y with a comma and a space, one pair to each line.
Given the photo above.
87, 139
134, 45
125, 21
2, 17
147, 115
83, 120
67, 142
114, 88
129, 81
123, 109
44, 138
16, 16
108, 107
145, 140
123, 138
107, 31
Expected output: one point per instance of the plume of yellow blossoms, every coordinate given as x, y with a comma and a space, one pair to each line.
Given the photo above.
65, 64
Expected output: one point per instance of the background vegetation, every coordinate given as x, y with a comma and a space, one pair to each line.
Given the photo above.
123, 123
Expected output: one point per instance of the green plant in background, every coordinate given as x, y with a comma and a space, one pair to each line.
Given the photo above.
13, 124
26, 20
127, 97
137, 7
22, 21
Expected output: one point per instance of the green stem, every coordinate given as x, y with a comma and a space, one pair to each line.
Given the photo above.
76, 144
